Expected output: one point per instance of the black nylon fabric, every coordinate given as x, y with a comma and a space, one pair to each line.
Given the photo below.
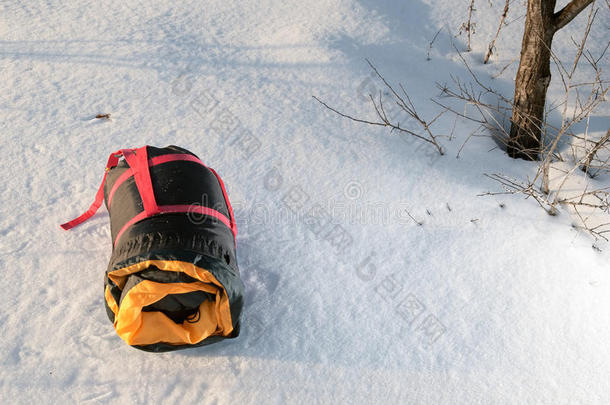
201, 240
177, 232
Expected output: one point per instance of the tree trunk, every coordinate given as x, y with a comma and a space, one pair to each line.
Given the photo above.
533, 78
534, 74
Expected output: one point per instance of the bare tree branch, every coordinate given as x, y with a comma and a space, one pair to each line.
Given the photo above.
492, 44
567, 14
593, 152
468, 27
404, 103
382, 124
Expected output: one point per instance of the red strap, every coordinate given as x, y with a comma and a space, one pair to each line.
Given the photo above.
171, 158
138, 162
151, 162
113, 160
137, 159
233, 225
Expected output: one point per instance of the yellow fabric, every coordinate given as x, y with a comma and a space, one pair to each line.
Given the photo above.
144, 328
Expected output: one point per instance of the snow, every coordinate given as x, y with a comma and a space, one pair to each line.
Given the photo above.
489, 301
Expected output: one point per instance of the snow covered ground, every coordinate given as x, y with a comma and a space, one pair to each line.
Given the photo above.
489, 301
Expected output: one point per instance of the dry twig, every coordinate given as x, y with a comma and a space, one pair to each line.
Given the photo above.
403, 101
469, 27
492, 44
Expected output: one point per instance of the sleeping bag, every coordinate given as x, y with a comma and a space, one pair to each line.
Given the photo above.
172, 281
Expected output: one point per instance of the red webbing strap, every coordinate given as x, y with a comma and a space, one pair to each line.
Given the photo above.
171, 158
113, 160
233, 225
137, 159
138, 162
151, 162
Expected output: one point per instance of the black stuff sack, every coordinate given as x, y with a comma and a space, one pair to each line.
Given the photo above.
172, 281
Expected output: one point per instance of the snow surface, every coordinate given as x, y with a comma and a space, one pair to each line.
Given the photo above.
480, 304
